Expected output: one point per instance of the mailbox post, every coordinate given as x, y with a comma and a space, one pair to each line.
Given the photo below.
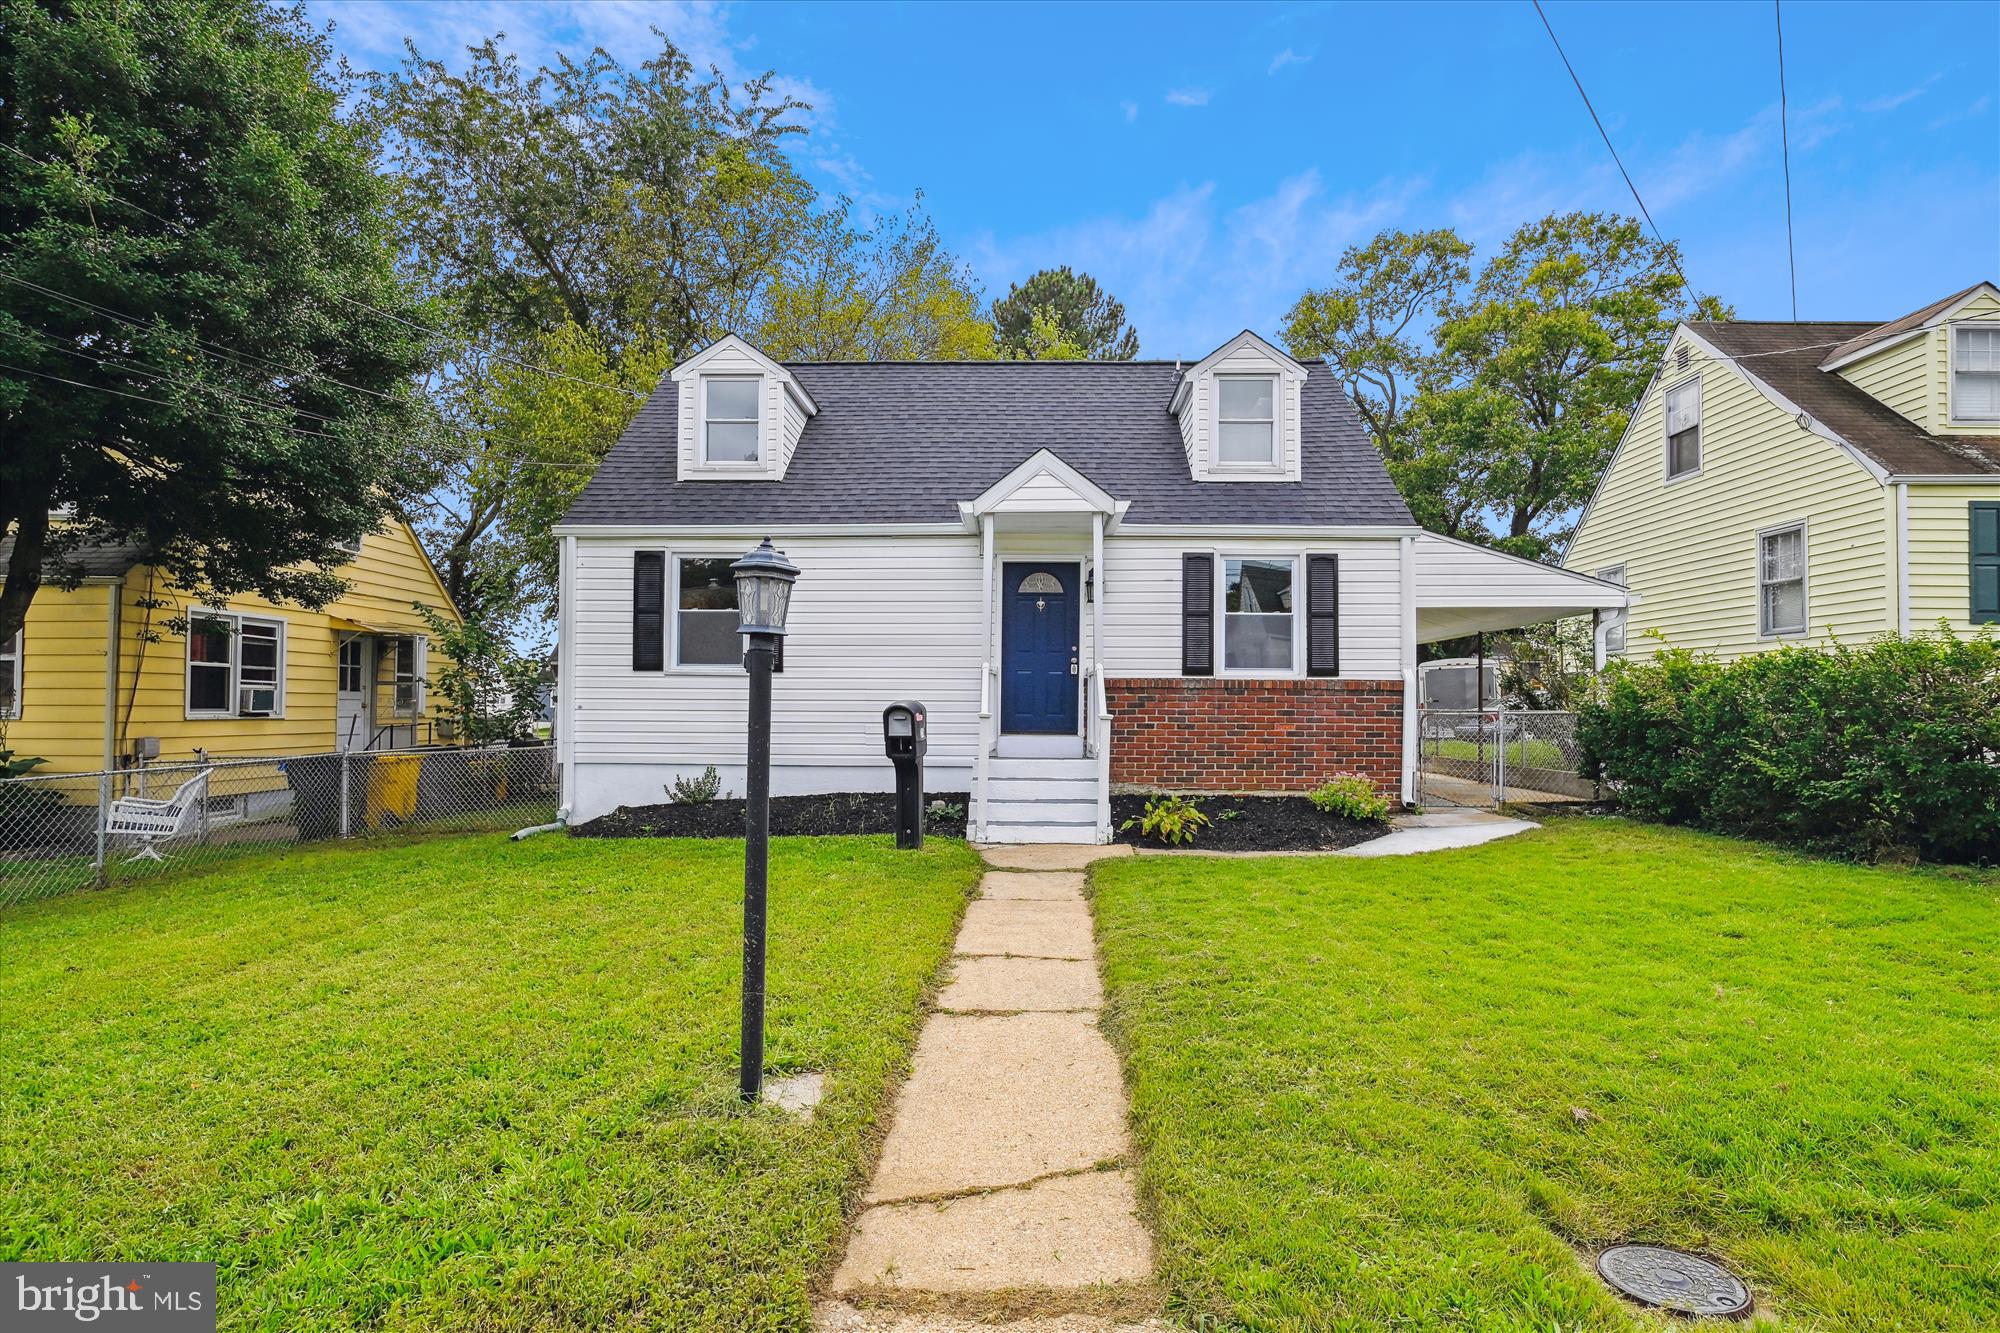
904, 740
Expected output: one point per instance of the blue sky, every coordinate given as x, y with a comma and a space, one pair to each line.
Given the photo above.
1207, 163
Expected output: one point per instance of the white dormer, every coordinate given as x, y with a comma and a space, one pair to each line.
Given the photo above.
1239, 412
741, 414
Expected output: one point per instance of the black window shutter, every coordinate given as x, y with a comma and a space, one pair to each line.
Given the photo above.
1986, 562
1197, 614
1322, 615
649, 610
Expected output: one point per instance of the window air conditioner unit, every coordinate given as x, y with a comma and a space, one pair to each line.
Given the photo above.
257, 699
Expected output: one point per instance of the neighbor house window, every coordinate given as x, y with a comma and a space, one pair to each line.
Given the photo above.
1614, 620
729, 419
1246, 422
705, 622
10, 677
1975, 373
1684, 428
1257, 614
235, 666
1781, 580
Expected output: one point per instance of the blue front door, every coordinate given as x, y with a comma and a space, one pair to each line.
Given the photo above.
1041, 606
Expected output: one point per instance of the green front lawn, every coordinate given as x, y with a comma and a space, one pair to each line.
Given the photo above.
462, 1083
1419, 1093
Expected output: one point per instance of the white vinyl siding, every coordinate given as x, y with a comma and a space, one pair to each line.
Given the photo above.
1975, 373
235, 665
1684, 429
1690, 550
1781, 581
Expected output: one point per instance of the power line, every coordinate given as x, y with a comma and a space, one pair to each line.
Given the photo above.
1673, 255
182, 229
1785, 137
137, 397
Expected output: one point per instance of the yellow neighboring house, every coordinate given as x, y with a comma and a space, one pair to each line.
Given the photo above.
1806, 482
96, 678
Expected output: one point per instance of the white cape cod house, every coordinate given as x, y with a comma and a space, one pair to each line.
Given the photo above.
1093, 573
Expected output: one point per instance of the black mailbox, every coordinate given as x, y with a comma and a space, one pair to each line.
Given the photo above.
904, 740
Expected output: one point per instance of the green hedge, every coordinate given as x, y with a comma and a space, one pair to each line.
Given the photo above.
1885, 749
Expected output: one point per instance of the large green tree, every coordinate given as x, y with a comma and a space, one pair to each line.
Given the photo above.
1083, 314
200, 346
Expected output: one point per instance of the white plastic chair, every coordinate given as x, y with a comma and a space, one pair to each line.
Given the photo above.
154, 822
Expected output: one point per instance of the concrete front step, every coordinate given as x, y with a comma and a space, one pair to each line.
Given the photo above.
1038, 787
1025, 832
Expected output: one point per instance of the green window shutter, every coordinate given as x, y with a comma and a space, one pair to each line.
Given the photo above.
1985, 562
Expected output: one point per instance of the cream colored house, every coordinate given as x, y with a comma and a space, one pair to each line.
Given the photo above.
1806, 482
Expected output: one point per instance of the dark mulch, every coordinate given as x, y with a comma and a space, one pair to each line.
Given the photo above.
791, 816
1253, 824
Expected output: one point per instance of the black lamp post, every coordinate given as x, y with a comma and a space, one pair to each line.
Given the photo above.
763, 594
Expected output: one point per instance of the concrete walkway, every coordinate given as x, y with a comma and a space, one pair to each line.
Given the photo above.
1438, 831
1005, 1187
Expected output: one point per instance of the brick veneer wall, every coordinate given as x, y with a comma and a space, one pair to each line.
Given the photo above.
1222, 735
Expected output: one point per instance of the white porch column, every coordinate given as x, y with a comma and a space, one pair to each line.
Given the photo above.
1408, 597
986, 701
1097, 597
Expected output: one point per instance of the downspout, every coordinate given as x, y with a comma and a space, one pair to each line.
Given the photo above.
1900, 492
564, 717
114, 593
1408, 576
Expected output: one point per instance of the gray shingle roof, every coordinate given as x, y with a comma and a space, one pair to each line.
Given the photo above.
905, 441
95, 560
1787, 357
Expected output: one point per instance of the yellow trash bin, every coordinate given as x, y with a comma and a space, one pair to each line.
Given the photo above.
392, 790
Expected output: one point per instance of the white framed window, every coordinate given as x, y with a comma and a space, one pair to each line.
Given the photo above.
730, 420
705, 619
10, 677
1781, 580
351, 549
1684, 429
1246, 420
1256, 608
352, 665
235, 665
1614, 620
1975, 372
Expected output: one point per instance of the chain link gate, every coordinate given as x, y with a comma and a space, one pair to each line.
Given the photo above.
1489, 757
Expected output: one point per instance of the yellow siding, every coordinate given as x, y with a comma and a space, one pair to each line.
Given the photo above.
1940, 554
64, 662
1689, 547
1980, 307
1901, 377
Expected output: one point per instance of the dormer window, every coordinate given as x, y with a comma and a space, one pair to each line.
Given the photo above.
729, 418
1975, 372
1246, 424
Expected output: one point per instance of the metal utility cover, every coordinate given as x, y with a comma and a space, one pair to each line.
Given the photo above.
1674, 1280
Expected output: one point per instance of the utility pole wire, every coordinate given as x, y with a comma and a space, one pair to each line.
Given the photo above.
1673, 253
1785, 137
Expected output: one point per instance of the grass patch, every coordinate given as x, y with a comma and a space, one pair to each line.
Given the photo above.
462, 1083
1520, 753
1410, 1092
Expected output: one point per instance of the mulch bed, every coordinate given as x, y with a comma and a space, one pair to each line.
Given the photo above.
1252, 824
791, 816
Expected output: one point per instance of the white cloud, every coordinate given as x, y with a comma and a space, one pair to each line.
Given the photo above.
1131, 110
1894, 100
1191, 272
1188, 97
1288, 57
1952, 118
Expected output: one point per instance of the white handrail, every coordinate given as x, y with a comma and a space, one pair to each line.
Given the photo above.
980, 760
1101, 717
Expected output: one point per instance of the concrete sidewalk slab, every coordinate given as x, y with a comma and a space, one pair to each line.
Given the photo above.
995, 1101
1069, 1232
1058, 929
1003, 984
840, 1317
1440, 831
1031, 885
1048, 856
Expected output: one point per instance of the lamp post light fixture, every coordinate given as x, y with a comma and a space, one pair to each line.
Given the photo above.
764, 581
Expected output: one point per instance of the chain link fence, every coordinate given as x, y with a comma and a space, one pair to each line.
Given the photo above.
64, 831
1499, 756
